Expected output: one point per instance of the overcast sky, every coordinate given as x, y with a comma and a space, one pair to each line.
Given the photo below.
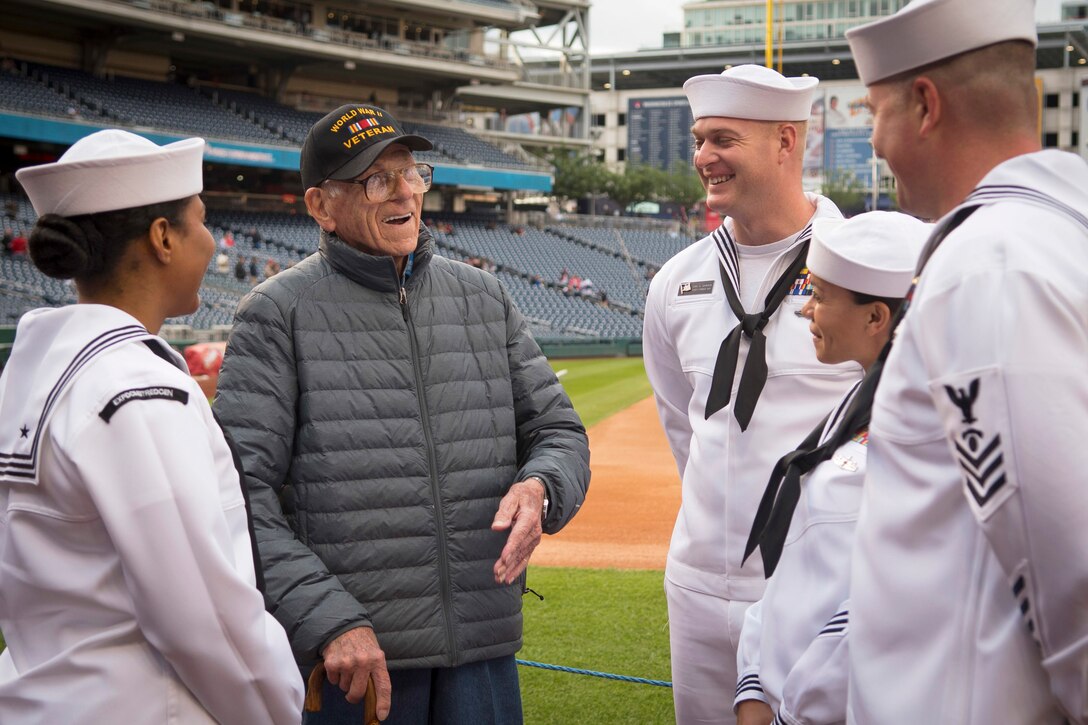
617, 26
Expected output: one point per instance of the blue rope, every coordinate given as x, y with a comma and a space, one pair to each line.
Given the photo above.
605, 675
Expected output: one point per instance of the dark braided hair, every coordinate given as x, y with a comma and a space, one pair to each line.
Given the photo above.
89, 246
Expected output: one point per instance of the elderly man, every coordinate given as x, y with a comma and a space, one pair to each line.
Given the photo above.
405, 442
969, 599
730, 302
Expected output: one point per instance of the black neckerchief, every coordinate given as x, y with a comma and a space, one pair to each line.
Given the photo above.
754, 375
775, 512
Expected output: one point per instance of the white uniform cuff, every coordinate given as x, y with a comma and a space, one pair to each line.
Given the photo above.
749, 688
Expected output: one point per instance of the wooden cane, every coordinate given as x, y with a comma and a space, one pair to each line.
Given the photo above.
315, 683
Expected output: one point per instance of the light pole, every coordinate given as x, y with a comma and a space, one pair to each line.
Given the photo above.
875, 163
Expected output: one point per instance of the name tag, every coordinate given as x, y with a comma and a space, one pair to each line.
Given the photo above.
702, 287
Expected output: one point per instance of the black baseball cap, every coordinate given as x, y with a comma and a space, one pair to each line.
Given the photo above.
347, 141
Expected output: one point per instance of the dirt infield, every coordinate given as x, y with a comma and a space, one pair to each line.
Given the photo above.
632, 502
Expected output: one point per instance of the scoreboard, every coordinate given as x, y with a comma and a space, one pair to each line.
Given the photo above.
659, 131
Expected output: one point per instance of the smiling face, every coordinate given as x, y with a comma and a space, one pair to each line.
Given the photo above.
737, 161
842, 330
894, 142
195, 247
388, 228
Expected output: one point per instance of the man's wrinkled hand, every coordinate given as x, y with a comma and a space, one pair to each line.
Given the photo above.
351, 660
519, 511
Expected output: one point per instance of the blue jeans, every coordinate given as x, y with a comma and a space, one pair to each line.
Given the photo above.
480, 693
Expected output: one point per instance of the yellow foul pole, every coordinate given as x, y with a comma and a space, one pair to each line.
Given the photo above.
769, 55
781, 26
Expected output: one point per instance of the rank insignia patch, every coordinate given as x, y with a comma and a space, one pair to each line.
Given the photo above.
972, 406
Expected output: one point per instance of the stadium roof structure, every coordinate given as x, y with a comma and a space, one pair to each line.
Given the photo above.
1060, 45
200, 34
489, 67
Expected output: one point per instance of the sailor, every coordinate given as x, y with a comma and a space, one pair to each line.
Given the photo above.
969, 596
735, 378
792, 655
127, 569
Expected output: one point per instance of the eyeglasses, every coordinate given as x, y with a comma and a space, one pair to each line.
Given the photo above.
383, 185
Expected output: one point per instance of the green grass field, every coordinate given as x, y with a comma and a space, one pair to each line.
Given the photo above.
603, 620
600, 387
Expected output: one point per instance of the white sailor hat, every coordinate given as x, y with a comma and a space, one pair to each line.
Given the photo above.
926, 31
873, 253
114, 169
751, 92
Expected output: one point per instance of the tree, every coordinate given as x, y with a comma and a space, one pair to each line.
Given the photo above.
578, 175
843, 188
684, 186
639, 182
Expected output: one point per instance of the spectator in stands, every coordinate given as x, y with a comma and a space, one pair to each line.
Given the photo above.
227, 242
252, 269
18, 244
271, 268
564, 277
240, 269
603, 298
222, 263
5, 243
394, 413
736, 384
586, 289
128, 570
536, 281
256, 236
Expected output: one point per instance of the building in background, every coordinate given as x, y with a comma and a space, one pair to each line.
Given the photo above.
638, 109
737, 22
1074, 11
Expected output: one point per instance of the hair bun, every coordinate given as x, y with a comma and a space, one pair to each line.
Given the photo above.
62, 248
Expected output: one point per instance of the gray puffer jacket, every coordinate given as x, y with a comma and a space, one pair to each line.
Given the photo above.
379, 426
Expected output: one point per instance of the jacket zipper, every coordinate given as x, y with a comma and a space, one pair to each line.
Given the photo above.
432, 464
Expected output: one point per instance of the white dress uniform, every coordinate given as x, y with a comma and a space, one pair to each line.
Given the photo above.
724, 470
969, 600
794, 643
126, 569
792, 652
